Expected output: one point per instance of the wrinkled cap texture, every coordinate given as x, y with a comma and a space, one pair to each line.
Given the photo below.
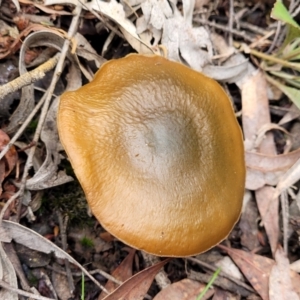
158, 152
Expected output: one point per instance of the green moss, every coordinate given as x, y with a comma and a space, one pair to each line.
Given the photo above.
70, 200
32, 126
32, 280
87, 242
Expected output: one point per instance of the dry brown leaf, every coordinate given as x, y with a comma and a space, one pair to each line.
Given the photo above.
268, 208
31, 239
114, 11
14, 258
137, 286
247, 224
256, 115
122, 273
265, 169
185, 289
225, 295
60, 284
281, 287
229, 267
47, 176
255, 268
41, 37
292, 114
9, 160
46, 9
260, 138
11, 156
295, 282
288, 179
183, 40
255, 112
7, 274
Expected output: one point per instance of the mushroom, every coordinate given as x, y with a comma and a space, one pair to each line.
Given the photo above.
158, 152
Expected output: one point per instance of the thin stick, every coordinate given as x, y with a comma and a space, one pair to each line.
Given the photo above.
226, 29
58, 71
63, 233
278, 28
230, 22
276, 60
29, 77
5, 285
285, 219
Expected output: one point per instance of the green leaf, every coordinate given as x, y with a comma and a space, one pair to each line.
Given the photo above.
292, 93
292, 34
285, 75
279, 12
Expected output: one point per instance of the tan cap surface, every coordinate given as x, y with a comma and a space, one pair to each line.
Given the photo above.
158, 152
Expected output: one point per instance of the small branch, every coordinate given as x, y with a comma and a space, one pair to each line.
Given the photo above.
295, 66
58, 71
226, 29
63, 222
29, 77
230, 22
278, 29
5, 285
285, 219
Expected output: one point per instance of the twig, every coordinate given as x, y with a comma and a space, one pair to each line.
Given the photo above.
253, 28
230, 22
5, 285
285, 219
276, 60
224, 28
96, 271
294, 8
28, 77
278, 28
58, 71
48, 283
63, 233
296, 12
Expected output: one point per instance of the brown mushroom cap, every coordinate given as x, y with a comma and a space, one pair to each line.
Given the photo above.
158, 152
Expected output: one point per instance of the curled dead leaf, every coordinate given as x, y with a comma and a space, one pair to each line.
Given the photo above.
265, 169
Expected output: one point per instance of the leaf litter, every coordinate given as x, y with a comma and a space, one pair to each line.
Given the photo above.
168, 28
